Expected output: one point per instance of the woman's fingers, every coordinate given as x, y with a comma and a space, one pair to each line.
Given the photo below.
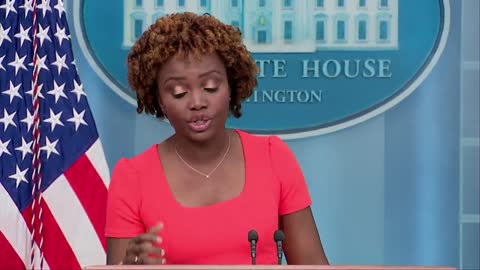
150, 254
156, 229
141, 249
152, 260
150, 236
148, 248
147, 237
147, 254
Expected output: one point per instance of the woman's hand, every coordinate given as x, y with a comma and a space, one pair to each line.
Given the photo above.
144, 248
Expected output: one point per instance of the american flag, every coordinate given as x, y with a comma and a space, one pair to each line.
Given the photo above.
53, 172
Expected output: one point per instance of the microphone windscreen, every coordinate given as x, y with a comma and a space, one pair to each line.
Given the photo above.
278, 236
252, 235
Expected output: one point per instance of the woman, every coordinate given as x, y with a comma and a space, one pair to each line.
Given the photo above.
193, 198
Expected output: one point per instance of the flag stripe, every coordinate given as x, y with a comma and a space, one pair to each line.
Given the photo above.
74, 223
57, 250
91, 193
97, 158
11, 227
14, 229
10, 260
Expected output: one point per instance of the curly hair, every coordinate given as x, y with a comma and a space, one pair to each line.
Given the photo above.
182, 34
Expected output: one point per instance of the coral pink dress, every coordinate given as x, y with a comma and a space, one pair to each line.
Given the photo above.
140, 197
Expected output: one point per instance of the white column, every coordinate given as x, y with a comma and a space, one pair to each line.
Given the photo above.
277, 23
127, 23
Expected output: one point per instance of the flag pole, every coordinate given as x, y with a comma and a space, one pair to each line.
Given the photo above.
36, 221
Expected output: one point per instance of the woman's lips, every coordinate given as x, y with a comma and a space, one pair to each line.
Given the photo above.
200, 125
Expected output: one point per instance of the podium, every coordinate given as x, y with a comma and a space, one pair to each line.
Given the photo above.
261, 267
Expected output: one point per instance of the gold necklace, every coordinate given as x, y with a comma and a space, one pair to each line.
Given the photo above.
199, 172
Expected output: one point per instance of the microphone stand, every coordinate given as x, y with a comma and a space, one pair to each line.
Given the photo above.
278, 237
253, 239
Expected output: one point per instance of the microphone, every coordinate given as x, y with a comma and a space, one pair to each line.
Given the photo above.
278, 237
253, 239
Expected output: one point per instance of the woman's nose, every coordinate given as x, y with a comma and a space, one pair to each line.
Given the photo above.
198, 100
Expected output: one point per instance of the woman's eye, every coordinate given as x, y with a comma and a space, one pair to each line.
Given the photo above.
178, 91
179, 95
211, 89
